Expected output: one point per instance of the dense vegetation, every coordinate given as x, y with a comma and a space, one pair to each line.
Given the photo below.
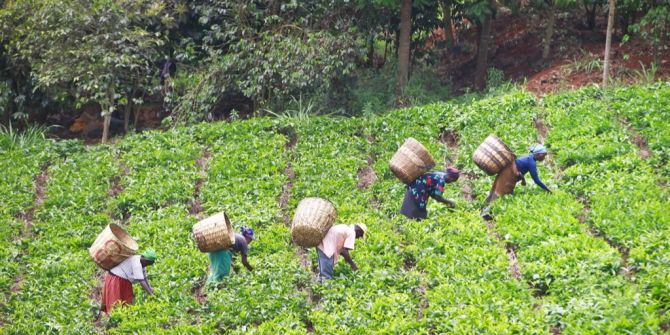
592, 256
212, 59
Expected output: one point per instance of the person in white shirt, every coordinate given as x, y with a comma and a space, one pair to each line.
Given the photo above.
339, 240
118, 286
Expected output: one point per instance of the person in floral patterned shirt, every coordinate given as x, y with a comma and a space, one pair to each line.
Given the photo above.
429, 184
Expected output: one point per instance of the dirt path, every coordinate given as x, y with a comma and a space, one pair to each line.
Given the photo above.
195, 209
626, 270
367, 175
115, 188
27, 217
291, 142
636, 138
202, 164
449, 138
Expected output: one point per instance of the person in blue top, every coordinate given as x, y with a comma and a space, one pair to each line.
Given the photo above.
429, 184
513, 173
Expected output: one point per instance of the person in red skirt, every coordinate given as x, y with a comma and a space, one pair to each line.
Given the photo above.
118, 287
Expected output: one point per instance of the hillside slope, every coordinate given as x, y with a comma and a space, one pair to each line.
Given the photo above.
591, 258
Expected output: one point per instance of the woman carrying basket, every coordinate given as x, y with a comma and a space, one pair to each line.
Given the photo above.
118, 286
429, 184
506, 180
221, 260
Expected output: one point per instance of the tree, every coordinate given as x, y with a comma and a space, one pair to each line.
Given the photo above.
549, 32
447, 21
91, 50
404, 45
608, 41
481, 12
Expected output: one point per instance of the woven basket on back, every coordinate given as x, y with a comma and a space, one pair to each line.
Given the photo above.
492, 155
112, 247
411, 161
312, 220
214, 233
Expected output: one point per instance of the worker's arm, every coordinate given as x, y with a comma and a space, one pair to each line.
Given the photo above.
536, 178
246, 264
347, 257
441, 199
146, 286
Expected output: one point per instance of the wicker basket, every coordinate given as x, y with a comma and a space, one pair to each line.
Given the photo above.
312, 220
492, 155
411, 161
112, 247
214, 233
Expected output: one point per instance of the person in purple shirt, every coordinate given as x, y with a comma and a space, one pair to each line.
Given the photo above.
431, 185
507, 178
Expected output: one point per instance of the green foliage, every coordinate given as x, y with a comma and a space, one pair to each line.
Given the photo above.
92, 50
31, 137
445, 274
653, 28
494, 78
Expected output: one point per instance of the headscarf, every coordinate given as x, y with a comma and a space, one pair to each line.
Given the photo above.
364, 228
452, 173
248, 232
538, 149
150, 255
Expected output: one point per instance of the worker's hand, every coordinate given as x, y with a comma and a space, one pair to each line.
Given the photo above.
450, 204
354, 267
523, 182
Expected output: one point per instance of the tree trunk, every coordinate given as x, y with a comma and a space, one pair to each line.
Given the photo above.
483, 53
403, 45
386, 43
107, 115
590, 14
608, 41
549, 33
447, 22
371, 49
129, 109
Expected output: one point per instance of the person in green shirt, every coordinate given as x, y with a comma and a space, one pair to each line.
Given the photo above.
222, 260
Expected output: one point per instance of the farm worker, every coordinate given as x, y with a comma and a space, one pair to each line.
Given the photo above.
427, 185
508, 177
222, 260
118, 286
338, 241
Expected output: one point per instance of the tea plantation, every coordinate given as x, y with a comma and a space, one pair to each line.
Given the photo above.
593, 257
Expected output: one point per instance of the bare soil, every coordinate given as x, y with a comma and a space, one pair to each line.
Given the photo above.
286, 193
542, 130
640, 142
514, 267
201, 163
198, 292
366, 177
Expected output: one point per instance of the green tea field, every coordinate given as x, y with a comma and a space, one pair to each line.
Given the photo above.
593, 257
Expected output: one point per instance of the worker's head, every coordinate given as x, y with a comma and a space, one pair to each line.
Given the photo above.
452, 174
248, 234
539, 152
361, 230
148, 257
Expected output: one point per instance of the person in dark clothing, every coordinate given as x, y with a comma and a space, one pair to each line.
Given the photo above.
427, 185
507, 178
168, 69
